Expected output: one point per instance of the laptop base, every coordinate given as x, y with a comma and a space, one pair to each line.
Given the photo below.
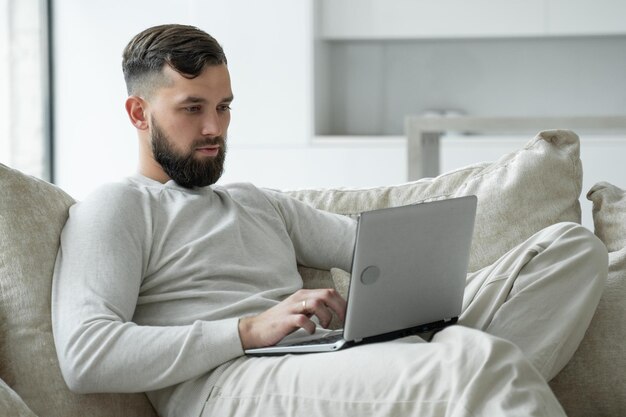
323, 345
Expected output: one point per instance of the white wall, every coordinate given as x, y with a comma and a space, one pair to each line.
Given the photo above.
269, 51
95, 143
333, 162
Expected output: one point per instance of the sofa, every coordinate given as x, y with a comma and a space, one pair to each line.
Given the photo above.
519, 194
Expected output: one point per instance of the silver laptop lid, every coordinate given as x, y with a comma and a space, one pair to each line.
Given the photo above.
409, 266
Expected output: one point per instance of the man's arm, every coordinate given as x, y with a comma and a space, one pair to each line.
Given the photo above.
103, 256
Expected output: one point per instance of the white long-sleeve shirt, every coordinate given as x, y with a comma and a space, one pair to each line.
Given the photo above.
151, 280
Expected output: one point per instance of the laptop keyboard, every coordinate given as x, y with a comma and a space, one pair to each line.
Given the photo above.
321, 341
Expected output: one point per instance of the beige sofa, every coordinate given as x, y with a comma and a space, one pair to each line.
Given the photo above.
519, 194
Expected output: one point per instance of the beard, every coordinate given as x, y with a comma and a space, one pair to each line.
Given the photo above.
184, 168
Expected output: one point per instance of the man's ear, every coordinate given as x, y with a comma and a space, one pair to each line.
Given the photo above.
136, 109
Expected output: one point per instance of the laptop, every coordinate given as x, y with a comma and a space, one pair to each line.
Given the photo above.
408, 276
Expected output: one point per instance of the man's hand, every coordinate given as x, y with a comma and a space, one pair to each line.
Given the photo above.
293, 313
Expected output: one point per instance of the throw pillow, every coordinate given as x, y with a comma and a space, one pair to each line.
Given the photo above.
592, 384
32, 214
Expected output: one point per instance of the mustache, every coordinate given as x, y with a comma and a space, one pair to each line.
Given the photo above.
218, 140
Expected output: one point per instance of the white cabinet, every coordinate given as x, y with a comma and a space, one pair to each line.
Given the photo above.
381, 60
423, 19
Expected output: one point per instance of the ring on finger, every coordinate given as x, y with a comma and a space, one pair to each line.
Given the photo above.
303, 305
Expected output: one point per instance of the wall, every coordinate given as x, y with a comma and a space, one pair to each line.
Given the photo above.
95, 143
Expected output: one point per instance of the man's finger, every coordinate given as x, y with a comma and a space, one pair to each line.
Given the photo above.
301, 321
335, 302
321, 310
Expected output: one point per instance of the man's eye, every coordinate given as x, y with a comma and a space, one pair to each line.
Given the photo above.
192, 109
224, 108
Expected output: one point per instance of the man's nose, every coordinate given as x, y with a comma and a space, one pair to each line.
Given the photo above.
211, 124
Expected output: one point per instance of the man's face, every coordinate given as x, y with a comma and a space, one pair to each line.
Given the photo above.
186, 168
189, 120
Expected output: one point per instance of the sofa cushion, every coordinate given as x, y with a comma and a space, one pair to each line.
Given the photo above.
518, 195
592, 384
32, 214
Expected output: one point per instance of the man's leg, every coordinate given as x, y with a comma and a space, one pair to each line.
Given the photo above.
541, 295
462, 372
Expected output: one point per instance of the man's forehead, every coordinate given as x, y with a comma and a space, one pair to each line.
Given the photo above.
211, 85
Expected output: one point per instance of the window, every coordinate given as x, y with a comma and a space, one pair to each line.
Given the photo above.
25, 128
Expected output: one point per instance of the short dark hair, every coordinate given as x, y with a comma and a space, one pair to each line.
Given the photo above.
186, 49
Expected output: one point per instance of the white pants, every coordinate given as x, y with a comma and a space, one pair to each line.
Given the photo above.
534, 305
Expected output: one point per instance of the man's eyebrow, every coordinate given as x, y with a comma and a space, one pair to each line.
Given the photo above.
194, 99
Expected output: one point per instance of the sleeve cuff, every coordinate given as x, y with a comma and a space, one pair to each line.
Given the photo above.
222, 339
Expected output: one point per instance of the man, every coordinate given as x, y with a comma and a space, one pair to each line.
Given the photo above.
163, 280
